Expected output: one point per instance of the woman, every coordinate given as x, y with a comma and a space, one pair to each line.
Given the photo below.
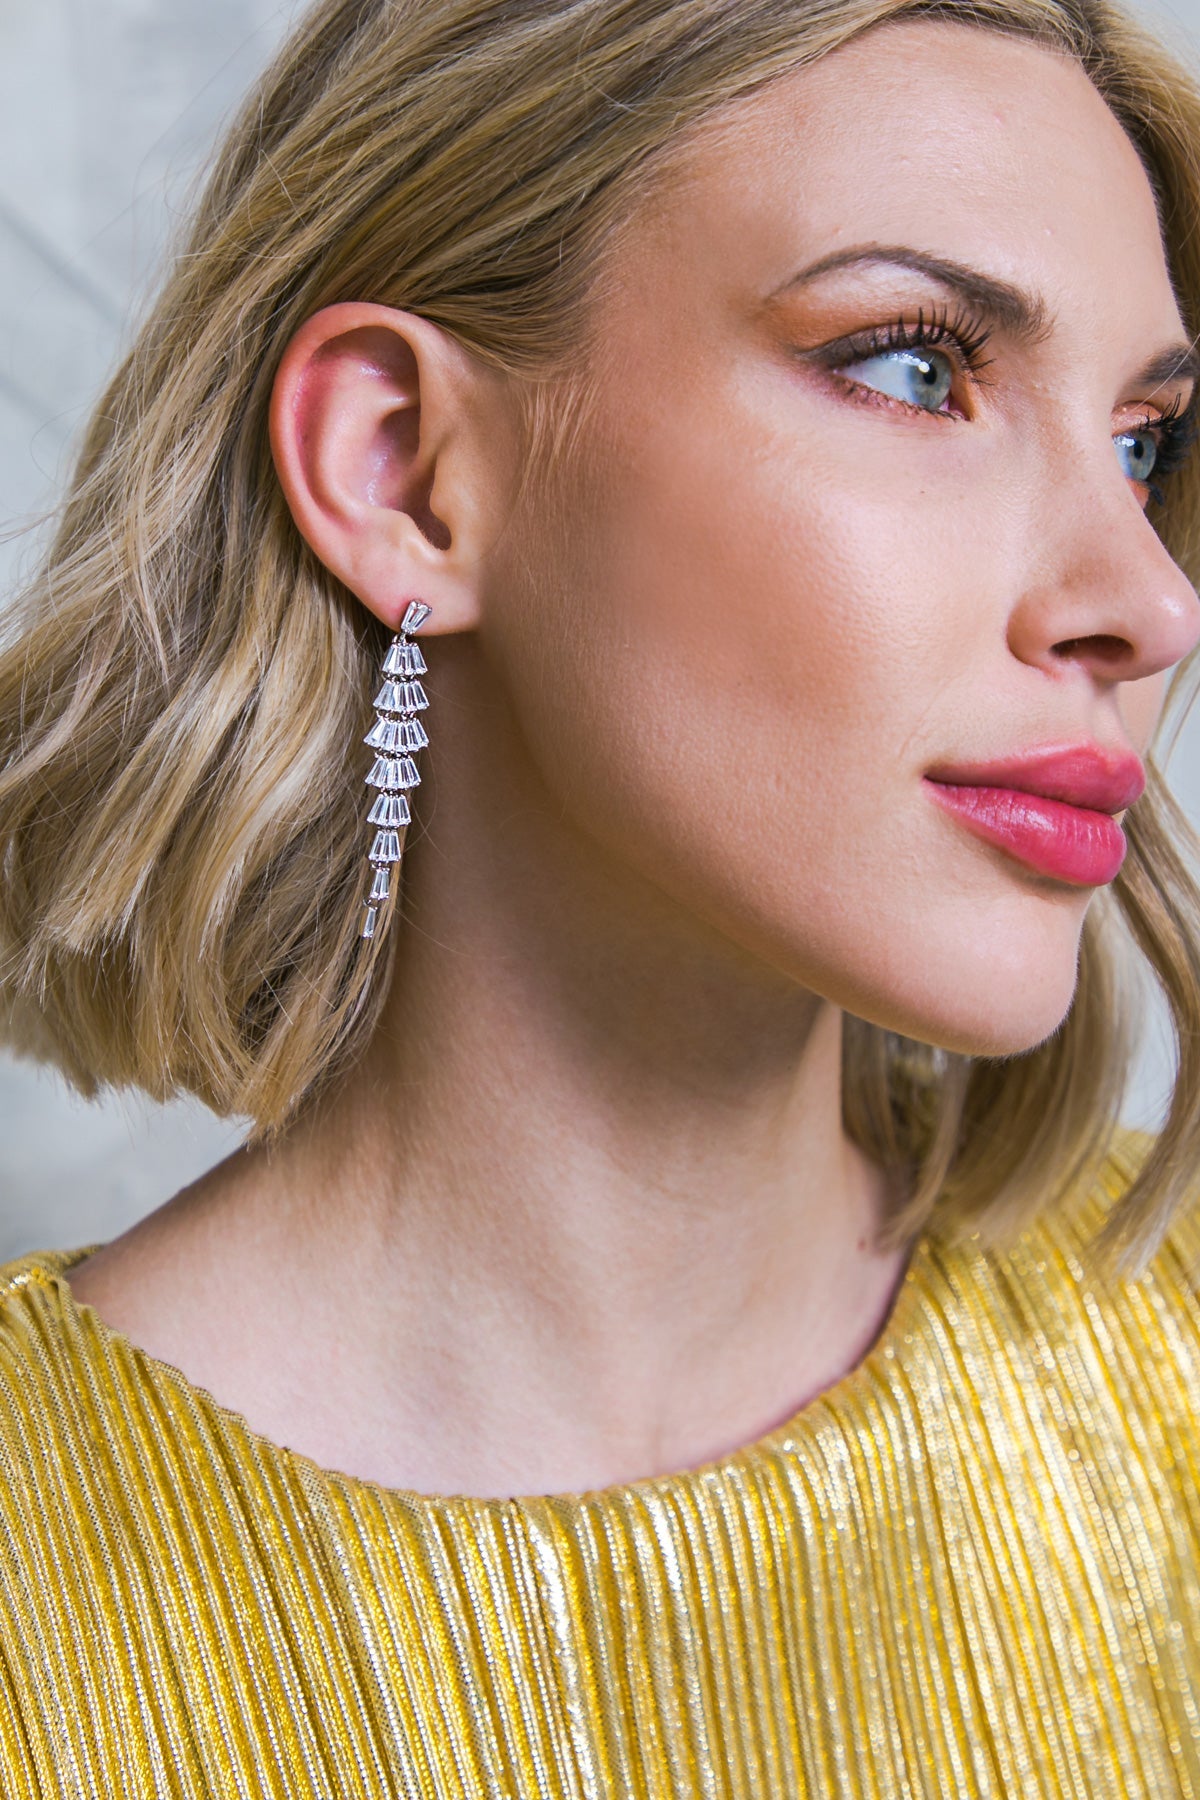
767, 426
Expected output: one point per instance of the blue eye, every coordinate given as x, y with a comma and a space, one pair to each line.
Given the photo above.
919, 377
1137, 453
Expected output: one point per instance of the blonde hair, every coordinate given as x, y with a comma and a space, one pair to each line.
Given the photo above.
183, 687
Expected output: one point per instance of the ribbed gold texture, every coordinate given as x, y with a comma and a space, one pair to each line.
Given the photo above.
971, 1569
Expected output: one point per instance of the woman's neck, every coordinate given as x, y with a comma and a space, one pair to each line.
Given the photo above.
584, 1213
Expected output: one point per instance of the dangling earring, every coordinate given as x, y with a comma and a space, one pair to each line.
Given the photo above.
396, 735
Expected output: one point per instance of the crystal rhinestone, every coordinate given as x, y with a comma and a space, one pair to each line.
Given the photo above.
390, 809
388, 698
415, 616
404, 659
368, 929
394, 697
386, 735
386, 848
393, 773
381, 884
410, 697
413, 735
383, 773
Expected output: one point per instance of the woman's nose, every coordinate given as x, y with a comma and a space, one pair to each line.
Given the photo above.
1103, 592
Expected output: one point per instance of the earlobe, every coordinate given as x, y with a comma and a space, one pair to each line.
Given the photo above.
369, 409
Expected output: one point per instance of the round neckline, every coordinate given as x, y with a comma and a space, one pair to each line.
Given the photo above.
911, 1290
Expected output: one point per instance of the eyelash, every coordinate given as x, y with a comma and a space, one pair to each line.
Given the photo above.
1176, 429
964, 335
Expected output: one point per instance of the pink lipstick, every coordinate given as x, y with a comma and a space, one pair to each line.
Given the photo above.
1050, 808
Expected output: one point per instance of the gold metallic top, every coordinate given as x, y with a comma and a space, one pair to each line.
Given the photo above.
971, 1568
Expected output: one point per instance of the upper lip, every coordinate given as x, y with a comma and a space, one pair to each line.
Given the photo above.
1078, 774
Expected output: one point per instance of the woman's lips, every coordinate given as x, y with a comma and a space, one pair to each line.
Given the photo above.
1070, 843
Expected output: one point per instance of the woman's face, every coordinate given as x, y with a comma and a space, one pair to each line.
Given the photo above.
860, 502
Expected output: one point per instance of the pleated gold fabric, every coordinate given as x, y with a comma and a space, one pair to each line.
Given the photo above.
970, 1569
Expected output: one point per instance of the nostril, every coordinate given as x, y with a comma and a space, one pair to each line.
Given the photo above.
1104, 647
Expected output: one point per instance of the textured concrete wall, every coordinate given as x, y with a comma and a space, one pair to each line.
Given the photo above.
107, 107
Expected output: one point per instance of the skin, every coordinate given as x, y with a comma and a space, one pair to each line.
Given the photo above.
586, 1212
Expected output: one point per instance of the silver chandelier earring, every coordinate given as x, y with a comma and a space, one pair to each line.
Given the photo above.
396, 736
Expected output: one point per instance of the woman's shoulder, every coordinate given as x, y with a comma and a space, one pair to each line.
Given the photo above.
52, 1486
31, 1294
29, 1283
1070, 1234
48, 1420
1155, 1315
1073, 1232
1120, 1350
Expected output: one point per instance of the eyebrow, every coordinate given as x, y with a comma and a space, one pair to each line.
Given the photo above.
1012, 309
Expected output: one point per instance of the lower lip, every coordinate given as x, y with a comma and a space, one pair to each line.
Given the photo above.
1068, 843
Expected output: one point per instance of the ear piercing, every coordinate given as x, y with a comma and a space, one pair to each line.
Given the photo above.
396, 736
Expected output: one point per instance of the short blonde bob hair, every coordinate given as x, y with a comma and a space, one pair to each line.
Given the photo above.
183, 687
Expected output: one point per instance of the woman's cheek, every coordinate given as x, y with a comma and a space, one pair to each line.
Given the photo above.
755, 610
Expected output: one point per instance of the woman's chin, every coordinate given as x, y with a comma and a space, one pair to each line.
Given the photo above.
974, 1006
1014, 1033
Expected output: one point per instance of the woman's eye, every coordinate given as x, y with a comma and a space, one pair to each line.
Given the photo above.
920, 377
1137, 453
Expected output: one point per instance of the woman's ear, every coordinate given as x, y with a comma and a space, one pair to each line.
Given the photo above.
390, 444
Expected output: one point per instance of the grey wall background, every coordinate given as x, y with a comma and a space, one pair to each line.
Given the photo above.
107, 110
